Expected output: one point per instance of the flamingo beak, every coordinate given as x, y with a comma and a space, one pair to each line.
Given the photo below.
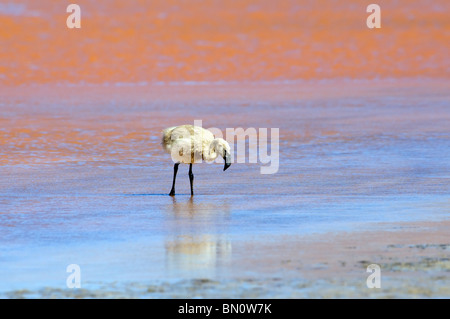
227, 159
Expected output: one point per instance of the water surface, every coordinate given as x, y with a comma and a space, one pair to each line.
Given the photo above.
83, 178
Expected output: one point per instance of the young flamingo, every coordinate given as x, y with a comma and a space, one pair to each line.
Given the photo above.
190, 144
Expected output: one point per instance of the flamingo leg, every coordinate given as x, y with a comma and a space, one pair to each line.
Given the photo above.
175, 170
191, 179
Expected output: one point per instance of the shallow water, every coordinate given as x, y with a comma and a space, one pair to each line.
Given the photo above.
83, 179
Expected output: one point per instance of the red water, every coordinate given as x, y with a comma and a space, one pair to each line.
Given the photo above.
147, 41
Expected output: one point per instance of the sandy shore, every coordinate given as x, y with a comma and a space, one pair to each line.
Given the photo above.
414, 259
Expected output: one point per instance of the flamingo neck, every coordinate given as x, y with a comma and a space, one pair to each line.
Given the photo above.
211, 155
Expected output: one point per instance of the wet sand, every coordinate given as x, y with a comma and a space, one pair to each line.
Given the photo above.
363, 178
414, 260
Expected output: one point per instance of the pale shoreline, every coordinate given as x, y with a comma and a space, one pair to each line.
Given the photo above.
414, 260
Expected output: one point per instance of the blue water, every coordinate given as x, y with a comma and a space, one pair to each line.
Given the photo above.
346, 163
